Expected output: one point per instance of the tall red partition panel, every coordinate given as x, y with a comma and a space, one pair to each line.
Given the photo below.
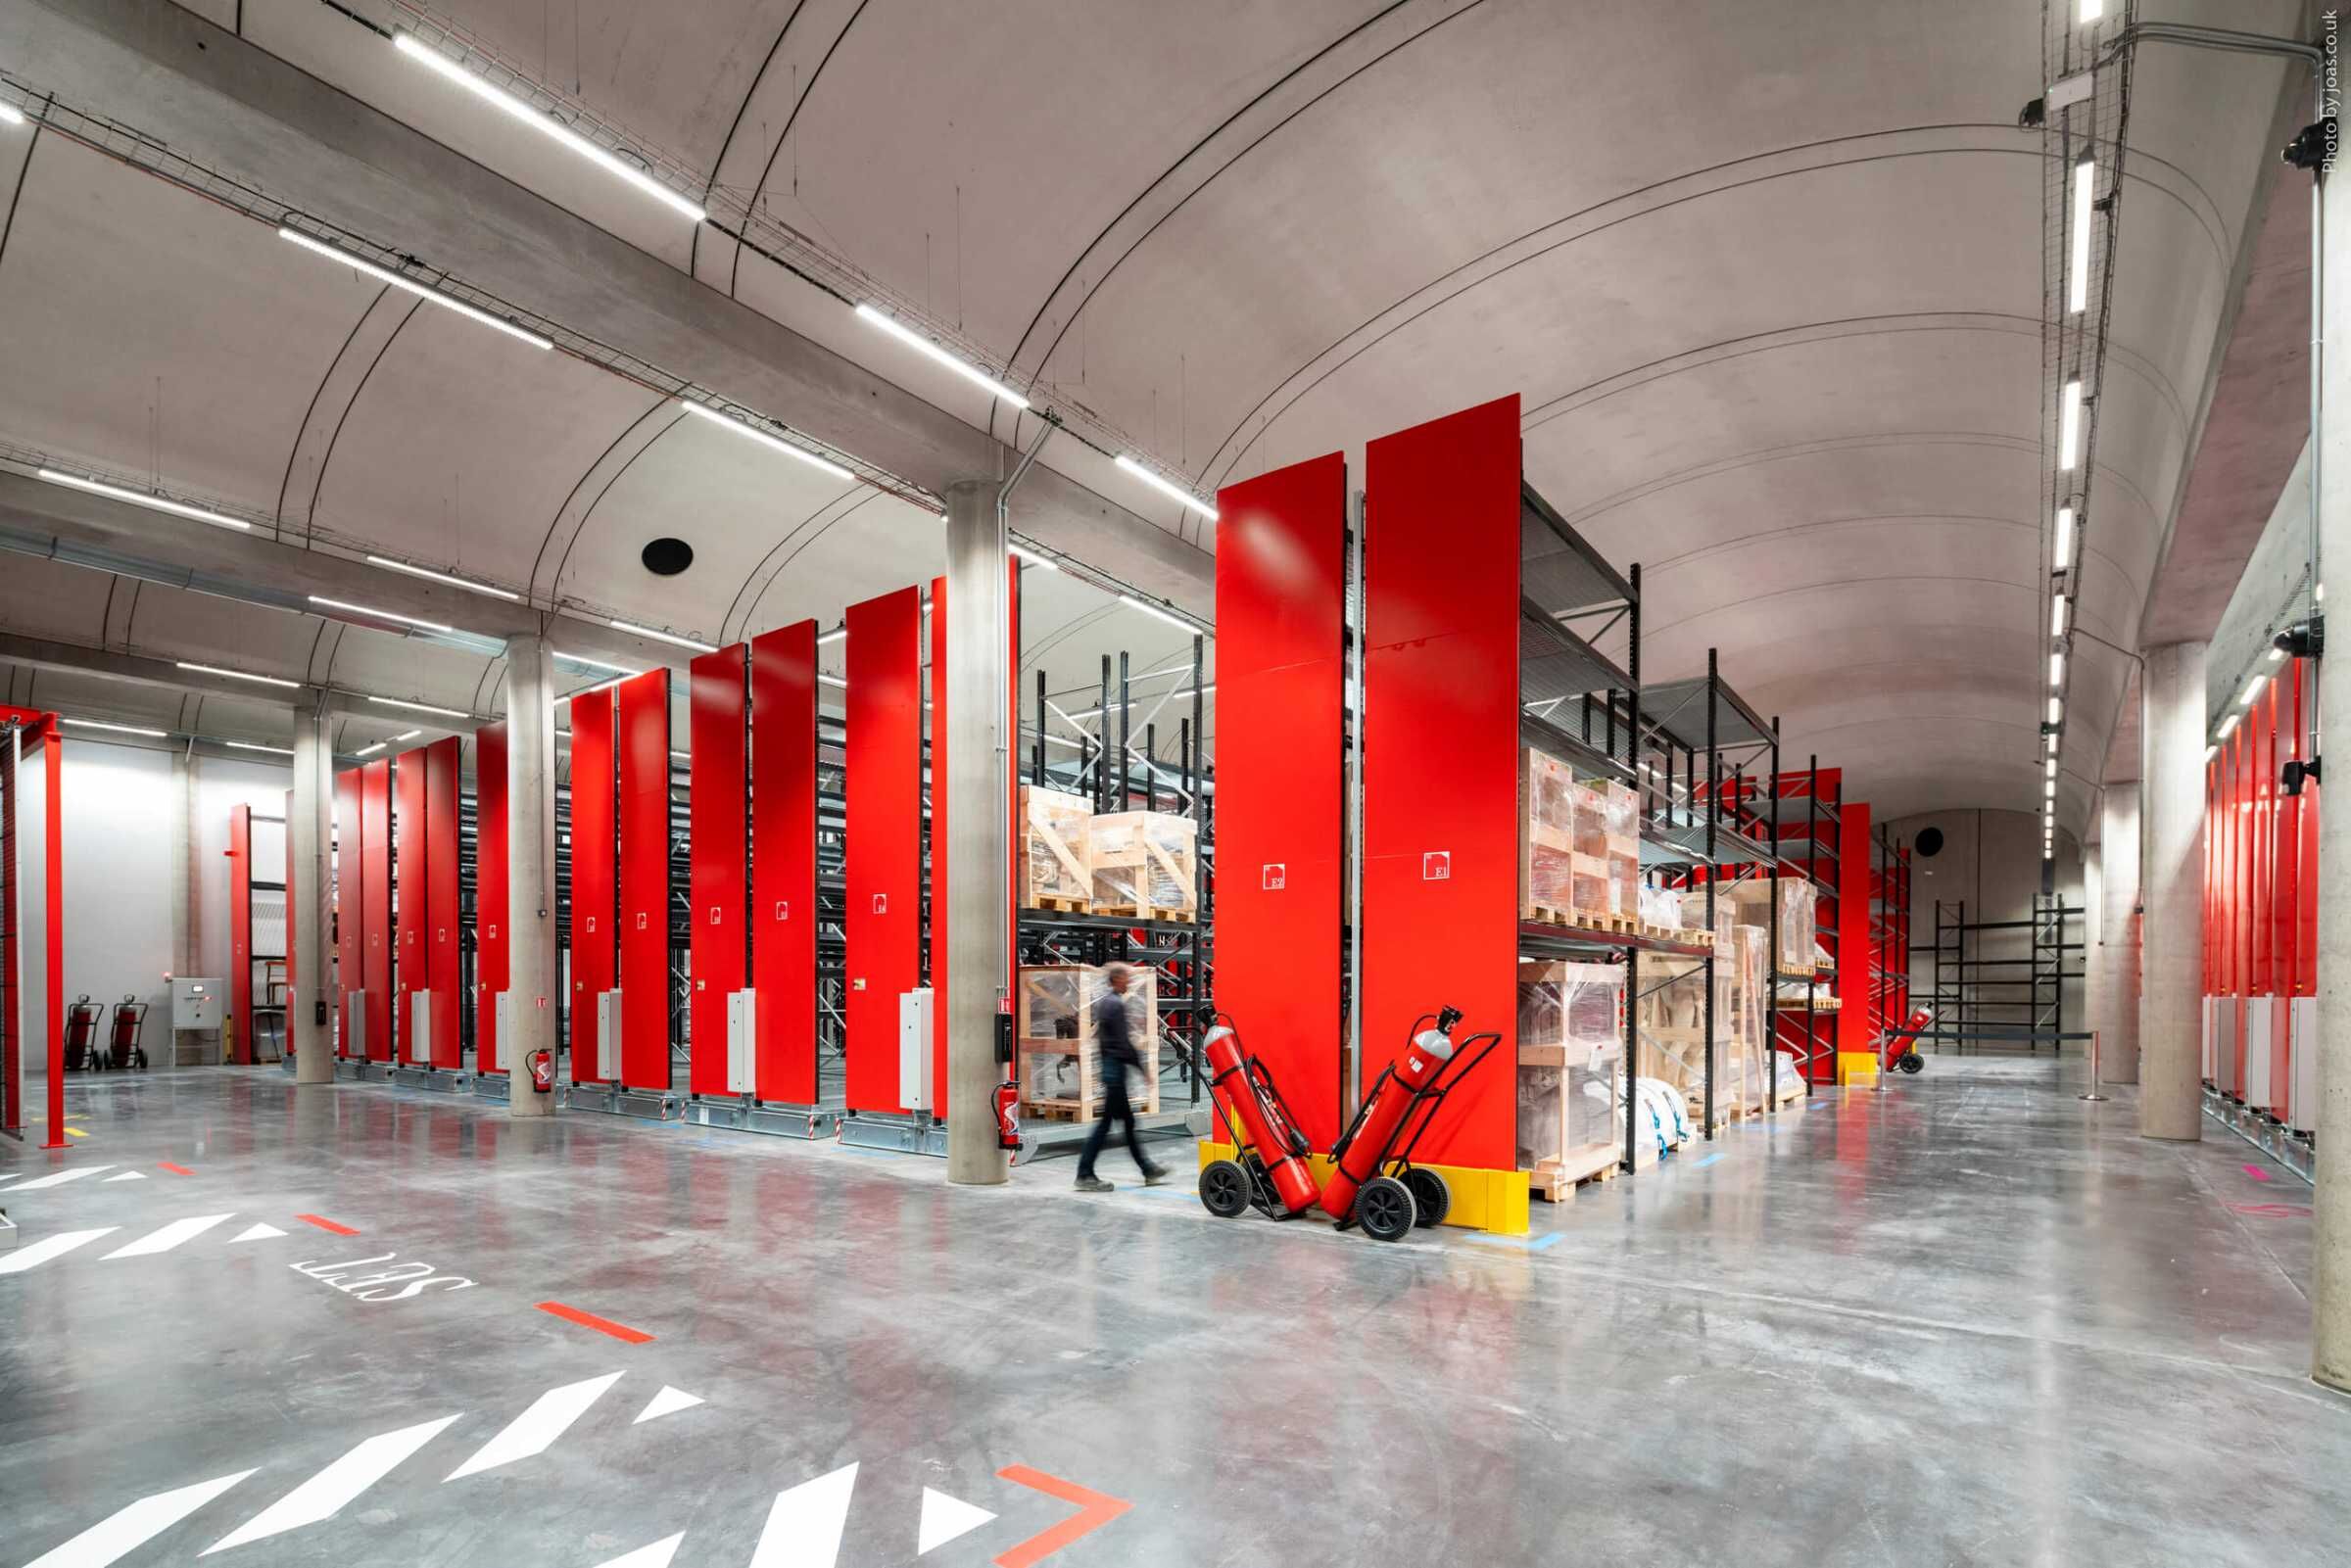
240, 932
642, 746
1441, 759
782, 887
1282, 590
593, 896
936, 710
491, 959
444, 759
885, 836
409, 874
375, 902
717, 802
349, 918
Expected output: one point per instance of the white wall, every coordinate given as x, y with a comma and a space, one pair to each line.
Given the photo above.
1991, 861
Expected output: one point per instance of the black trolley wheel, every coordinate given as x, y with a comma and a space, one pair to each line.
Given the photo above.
1432, 1200
1224, 1188
1384, 1208
1911, 1062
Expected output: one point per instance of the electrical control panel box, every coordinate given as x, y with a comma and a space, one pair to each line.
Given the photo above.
355, 1034
914, 1049
743, 1036
196, 1004
420, 1028
501, 1007
607, 1036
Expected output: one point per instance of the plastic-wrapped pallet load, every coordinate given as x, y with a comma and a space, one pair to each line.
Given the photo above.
1570, 1038
1145, 864
1060, 1070
1798, 930
1546, 836
1054, 871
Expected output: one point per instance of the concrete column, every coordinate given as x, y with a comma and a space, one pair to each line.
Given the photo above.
310, 1011
976, 683
2114, 1007
2093, 969
531, 971
2330, 1296
2170, 1095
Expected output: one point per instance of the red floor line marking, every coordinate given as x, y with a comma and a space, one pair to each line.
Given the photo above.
1098, 1510
326, 1224
602, 1325
176, 1171
2257, 1174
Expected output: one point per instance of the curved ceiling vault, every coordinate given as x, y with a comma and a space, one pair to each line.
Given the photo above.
1768, 279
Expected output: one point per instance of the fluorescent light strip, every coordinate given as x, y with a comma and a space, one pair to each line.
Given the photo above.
2229, 724
924, 346
370, 751
661, 637
2063, 556
2057, 668
139, 498
2052, 767
1154, 611
256, 745
466, 584
743, 427
2077, 296
1167, 488
2056, 709
2057, 615
11, 115
119, 729
2069, 427
2049, 789
598, 664
1034, 558
406, 735
478, 86
239, 675
2253, 689
421, 707
384, 274
380, 615
2211, 752
839, 634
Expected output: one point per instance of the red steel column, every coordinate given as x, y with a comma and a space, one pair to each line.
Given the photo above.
53, 858
937, 713
491, 894
350, 919
782, 897
1441, 758
410, 874
240, 932
375, 894
885, 836
643, 746
719, 868
1282, 588
593, 896
443, 761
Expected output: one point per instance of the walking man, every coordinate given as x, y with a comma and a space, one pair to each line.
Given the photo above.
1113, 1054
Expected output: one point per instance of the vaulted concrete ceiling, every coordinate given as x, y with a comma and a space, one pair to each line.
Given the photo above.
1769, 279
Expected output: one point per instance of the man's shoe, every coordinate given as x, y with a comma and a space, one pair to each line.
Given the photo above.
1154, 1177
1094, 1184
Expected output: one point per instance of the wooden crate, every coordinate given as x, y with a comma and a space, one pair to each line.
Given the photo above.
1060, 1068
1570, 1027
1145, 864
1054, 871
1579, 850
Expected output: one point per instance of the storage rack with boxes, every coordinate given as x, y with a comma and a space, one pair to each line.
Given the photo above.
1807, 821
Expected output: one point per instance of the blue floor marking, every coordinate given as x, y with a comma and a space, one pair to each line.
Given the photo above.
1710, 1160
1530, 1244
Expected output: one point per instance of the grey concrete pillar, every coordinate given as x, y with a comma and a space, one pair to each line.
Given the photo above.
975, 685
2094, 975
311, 1009
532, 971
2114, 1007
2331, 1295
2171, 1094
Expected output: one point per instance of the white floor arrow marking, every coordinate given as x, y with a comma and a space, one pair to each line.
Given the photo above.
323, 1494
129, 1175
123, 1532
57, 1246
258, 1232
656, 1555
536, 1428
805, 1526
944, 1518
170, 1236
59, 1179
667, 1402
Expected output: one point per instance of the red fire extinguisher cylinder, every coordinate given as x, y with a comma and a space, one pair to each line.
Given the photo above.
1245, 1101
1429, 1051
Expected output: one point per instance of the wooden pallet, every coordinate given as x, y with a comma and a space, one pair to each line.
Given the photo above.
1055, 1111
1587, 919
1553, 1183
1055, 905
1686, 935
1174, 916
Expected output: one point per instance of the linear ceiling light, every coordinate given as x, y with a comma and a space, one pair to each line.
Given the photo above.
2077, 289
384, 274
1034, 558
597, 664
586, 691
239, 675
119, 729
839, 634
661, 637
2056, 709
2049, 789
464, 583
139, 498
1154, 611
2057, 615
2069, 427
406, 735
2057, 668
474, 83
380, 615
256, 745
11, 115
2229, 724
924, 346
2064, 553
2253, 689
2211, 752
370, 751
2052, 767
743, 427
421, 707
1167, 488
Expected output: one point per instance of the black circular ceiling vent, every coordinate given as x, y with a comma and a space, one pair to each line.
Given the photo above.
1929, 843
667, 557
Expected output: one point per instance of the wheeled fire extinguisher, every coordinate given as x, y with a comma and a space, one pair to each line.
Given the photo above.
1244, 1092
1365, 1146
543, 1072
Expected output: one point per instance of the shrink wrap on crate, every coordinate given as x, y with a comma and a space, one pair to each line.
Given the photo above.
1144, 863
1580, 842
1060, 1066
1571, 1037
1546, 834
1053, 846
1797, 930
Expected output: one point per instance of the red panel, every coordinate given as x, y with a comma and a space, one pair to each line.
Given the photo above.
1857, 853
938, 714
240, 932
375, 901
642, 747
285, 841
351, 920
1282, 579
885, 836
491, 959
720, 868
1441, 760
411, 874
444, 759
783, 860
593, 898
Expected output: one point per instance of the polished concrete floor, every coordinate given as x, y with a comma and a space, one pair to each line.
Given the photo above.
1967, 1320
